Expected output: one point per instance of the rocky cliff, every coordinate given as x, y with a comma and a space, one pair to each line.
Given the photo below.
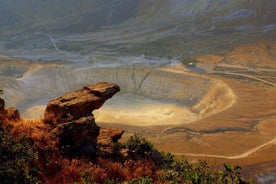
72, 124
72, 120
10, 114
80, 103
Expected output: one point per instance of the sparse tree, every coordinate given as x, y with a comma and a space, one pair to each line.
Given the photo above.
189, 61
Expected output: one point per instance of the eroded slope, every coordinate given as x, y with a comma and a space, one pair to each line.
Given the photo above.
148, 93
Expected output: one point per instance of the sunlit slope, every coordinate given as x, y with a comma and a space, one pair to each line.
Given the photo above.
150, 27
54, 15
63, 15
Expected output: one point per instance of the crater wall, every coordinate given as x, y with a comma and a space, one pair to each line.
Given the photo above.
202, 95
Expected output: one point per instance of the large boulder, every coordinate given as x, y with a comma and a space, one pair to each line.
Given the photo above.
108, 139
73, 122
78, 137
109, 136
74, 105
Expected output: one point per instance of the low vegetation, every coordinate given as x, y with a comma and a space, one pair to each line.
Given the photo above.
17, 159
189, 61
29, 156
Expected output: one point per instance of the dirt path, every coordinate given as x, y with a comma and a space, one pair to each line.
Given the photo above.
243, 155
248, 76
209, 68
53, 41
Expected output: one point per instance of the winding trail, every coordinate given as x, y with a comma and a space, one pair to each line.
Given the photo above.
243, 155
53, 41
248, 76
209, 68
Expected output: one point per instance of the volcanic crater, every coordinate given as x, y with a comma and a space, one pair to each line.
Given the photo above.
149, 95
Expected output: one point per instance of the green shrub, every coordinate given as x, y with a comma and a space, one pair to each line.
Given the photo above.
232, 174
16, 159
178, 170
142, 180
181, 170
139, 146
162, 159
189, 61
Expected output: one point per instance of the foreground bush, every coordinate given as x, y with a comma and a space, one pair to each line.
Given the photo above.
35, 158
172, 170
16, 159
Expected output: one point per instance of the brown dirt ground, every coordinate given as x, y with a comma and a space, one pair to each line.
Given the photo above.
253, 118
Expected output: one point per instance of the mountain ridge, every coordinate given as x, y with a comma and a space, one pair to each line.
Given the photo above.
160, 28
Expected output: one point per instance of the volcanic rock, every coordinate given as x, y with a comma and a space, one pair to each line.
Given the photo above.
2, 104
108, 136
73, 122
107, 140
74, 105
12, 114
78, 137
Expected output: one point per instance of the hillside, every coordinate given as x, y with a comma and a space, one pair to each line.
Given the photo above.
67, 146
158, 28
197, 79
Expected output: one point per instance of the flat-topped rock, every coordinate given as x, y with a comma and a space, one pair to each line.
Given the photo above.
74, 105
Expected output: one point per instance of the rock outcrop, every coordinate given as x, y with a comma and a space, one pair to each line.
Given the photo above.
73, 122
108, 136
11, 114
2, 104
80, 103
107, 140
78, 137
